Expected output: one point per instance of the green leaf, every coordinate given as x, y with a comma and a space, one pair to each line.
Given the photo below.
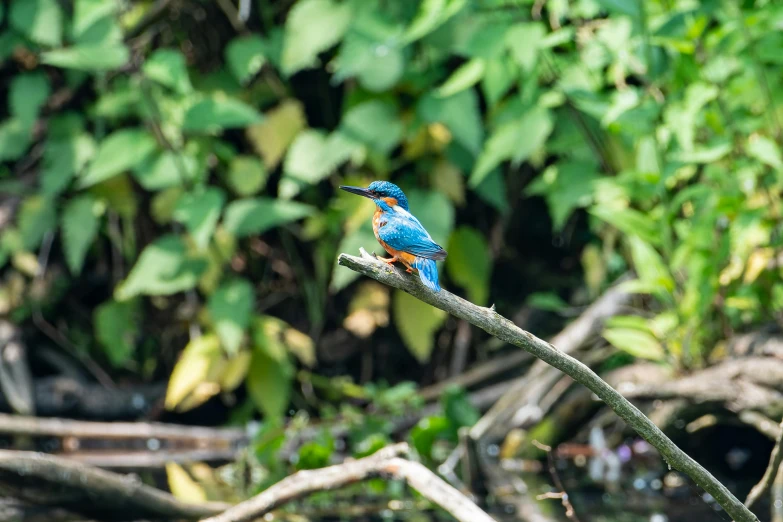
245, 57
166, 169
629, 221
116, 328
460, 113
63, 159
312, 156
466, 76
199, 211
27, 94
15, 137
457, 407
80, 228
516, 140
245, 217
468, 263
37, 216
218, 113
524, 41
163, 268
417, 323
635, 342
120, 151
86, 13
499, 76
374, 123
649, 264
271, 372
566, 187
431, 15
246, 175
427, 431
230, 308
168, 67
88, 57
766, 151
40, 20
435, 212
378, 66
312, 27
548, 301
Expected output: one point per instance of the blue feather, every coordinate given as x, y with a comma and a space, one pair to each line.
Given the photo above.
401, 231
428, 273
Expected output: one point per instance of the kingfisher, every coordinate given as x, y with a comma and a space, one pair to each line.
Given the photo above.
400, 233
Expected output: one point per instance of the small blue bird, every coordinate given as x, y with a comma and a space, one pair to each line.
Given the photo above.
401, 234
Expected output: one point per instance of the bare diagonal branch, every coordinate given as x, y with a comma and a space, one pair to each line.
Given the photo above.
493, 323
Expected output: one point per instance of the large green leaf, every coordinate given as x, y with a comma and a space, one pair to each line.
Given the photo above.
88, 57
218, 113
40, 20
63, 159
312, 27
499, 76
766, 151
271, 372
230, 307
515, 140
417, 323
28, 93
636, 342
119, 152
377, 66
168, 67
166, 169
252, 216
649, 265
116, 328
87, 13
629, 221
566, 187
469, 264
459, 113
199, 211
15, 137
466, 76
374, 123
524, 41
163, 268
37, 216
245, 57
80, 227
313, 156
435, 212
246, 175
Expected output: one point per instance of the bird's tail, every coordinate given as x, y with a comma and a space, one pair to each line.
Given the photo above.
428, 272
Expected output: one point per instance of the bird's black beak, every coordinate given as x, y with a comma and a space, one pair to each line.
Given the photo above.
360, 191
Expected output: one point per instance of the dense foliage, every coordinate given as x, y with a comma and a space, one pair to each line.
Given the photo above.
173, 172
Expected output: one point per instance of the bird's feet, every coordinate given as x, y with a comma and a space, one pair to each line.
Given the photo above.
409, 270
388, 261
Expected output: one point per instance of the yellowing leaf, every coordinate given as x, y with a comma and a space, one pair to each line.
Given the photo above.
272, 137
757, 263
183, 486
235, 370
192, 368
369, 309
417, 323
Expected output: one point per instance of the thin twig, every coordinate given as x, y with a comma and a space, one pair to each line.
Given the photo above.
769, 475
493, 323
382, 462
561, 495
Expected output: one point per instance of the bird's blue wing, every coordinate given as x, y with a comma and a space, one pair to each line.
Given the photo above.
404, 232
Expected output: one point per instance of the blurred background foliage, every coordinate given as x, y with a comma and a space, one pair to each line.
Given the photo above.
169, 177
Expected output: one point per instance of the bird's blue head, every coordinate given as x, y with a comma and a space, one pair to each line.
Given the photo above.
384, 193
